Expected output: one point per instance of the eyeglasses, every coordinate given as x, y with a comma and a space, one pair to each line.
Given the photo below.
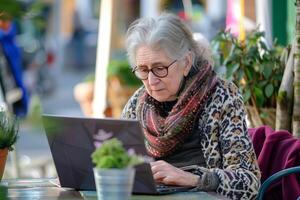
159, 71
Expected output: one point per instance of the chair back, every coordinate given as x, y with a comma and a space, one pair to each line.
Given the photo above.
276, 177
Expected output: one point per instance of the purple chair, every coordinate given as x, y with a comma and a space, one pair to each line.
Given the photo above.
276, 151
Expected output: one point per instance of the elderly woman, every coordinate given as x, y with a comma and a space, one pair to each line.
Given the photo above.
191, 118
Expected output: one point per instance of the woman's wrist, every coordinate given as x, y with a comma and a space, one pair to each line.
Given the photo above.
194, 179
207, 180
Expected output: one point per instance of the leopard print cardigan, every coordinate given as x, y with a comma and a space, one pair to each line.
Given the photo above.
225, 143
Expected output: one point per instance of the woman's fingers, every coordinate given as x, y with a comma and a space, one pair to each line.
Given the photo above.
160, 175
158, 166
159, 170
165, 173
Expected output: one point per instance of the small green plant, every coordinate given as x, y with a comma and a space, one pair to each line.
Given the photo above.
9, 128
111, 154
121, 69
256, 69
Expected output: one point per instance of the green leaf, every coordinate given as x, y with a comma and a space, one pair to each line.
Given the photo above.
240, 74
231, 69
267, 71
258, 34
269, 89
247, 95
263, 83
263, 45
259, 95
253, 52
249, 73
264, 115
278, 77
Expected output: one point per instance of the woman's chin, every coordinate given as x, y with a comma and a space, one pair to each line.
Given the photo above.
158, 97
162, 98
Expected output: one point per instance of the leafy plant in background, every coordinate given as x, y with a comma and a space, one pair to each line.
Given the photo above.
19, 10
37, 11
256, 69
9, 128
111, 154
10, 9
122, 70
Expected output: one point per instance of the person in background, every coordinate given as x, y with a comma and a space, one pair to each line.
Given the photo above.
193, 121
12, 53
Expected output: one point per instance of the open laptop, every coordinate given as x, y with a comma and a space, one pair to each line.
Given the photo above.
72, 141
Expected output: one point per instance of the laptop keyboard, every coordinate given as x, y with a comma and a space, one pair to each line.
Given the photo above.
161, 186
166, 189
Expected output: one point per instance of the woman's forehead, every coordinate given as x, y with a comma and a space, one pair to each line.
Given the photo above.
148, 55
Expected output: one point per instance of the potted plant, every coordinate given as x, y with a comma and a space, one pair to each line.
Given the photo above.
84, 94
114, 172
9, 128
122, 83
256, 69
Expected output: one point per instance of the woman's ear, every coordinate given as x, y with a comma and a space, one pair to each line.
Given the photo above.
188, 64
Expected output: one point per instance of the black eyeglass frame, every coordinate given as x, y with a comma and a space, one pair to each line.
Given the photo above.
151, 70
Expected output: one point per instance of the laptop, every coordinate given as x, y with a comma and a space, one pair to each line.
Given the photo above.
72, 141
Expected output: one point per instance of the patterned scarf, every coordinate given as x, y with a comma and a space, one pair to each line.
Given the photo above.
164, 134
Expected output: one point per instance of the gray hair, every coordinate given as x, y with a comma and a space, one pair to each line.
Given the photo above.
166, 32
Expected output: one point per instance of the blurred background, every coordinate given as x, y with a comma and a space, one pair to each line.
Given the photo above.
67, 57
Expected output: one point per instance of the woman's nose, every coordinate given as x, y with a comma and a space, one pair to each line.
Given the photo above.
152, 79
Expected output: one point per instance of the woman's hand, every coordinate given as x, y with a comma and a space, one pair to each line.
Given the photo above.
167, 174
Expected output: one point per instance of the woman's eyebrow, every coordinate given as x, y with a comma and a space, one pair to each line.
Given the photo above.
157, 63
153, 64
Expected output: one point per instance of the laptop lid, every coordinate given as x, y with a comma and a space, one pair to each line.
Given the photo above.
72, 141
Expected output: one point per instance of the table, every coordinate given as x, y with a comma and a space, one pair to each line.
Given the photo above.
44, 189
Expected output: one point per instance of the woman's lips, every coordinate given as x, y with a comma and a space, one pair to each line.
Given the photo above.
157, 90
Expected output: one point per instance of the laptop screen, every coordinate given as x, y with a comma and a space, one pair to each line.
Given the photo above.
72, 141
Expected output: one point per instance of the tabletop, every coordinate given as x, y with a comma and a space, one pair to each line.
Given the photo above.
44, 189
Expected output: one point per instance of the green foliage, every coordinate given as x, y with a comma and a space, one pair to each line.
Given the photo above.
9, 128
10, 9
254, 68
111, 154
35, 12
121, 69
18, 10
